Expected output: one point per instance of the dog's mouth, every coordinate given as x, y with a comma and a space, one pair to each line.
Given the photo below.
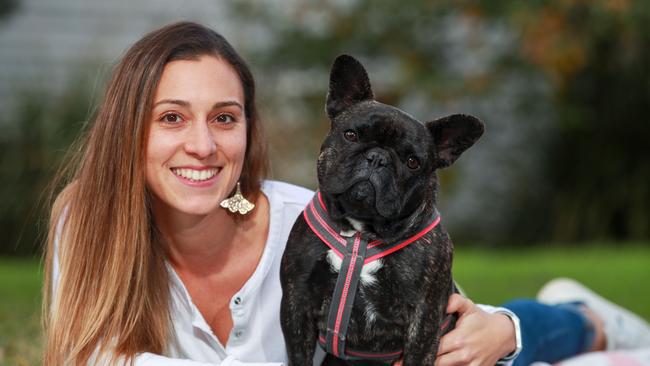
358, 200
368, 199
362, 192
377, 205
343, 186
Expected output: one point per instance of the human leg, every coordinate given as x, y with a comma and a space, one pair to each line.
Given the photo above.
622, 328
600, 341
551, 333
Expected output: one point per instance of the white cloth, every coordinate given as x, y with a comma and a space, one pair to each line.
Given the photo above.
634, 357
256, 337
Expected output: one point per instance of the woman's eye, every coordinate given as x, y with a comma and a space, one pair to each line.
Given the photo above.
413, 163
171, 118
225, 118
351, 136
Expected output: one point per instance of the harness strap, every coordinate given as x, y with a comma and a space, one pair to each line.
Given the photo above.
344, 294
355, 252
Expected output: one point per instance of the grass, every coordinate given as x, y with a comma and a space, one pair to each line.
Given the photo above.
621, 274
20, 301
488, 276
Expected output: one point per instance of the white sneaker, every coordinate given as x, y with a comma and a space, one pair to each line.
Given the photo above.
623, 329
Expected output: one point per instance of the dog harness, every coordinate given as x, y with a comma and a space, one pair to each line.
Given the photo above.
355, 251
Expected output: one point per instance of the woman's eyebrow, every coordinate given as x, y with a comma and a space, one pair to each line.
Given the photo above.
227, 104
183, 103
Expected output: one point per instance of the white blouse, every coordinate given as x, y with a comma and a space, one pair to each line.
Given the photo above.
256, 337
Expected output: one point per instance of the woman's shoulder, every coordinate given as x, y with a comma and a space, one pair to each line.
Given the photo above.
289, 194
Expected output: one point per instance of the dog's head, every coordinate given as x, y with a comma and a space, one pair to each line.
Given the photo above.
377, 164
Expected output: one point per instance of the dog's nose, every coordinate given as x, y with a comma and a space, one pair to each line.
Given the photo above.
377, 157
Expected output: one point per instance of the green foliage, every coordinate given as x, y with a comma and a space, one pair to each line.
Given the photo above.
32, 150
309, 35
596, 163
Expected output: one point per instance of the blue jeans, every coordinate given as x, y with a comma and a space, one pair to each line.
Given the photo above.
551, 333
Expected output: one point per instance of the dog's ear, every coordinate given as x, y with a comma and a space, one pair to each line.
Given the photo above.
453, 135
349, 84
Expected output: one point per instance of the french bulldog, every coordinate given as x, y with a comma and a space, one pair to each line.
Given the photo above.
367, 268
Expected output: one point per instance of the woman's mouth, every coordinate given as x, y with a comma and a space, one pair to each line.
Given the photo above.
195, 175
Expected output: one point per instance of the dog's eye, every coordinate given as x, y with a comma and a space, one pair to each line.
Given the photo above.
413, 163
351, 136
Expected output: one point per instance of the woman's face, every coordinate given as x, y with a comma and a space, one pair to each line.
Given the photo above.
197, 138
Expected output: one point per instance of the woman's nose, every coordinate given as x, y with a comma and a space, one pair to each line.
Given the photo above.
200, 141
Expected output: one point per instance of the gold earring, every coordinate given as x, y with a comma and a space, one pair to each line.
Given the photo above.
237, 203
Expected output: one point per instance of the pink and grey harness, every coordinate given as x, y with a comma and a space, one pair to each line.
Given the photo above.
355, 251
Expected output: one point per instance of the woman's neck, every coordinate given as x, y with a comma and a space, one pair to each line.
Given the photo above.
204, 243
195, 240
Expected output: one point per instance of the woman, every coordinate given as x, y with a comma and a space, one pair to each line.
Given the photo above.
176, 134
164, 248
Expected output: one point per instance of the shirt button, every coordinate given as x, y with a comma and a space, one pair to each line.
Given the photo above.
238, 334
237, 300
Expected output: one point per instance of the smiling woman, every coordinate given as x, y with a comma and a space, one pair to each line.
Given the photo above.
138, 243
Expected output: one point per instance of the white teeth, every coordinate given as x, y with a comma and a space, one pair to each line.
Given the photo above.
195, 175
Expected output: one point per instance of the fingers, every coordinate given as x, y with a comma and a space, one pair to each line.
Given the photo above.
459, 304
448, 343
456, 352
446, 360
454, 359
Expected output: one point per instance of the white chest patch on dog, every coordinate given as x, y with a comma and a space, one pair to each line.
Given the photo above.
367, 272
356, 224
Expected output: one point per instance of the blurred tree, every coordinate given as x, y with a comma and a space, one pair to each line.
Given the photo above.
398, 42
597, 55
32, 148
594, 171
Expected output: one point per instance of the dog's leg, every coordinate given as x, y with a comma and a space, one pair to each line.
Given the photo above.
298, 325
423, 334
423, 337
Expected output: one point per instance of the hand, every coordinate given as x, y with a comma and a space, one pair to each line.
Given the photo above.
479, 339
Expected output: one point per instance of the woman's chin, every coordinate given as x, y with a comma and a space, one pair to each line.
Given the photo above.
196, 207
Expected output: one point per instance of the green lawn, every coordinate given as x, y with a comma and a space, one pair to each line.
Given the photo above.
20, 301
622, 274
492, 277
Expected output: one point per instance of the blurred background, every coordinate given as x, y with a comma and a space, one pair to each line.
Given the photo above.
558, 185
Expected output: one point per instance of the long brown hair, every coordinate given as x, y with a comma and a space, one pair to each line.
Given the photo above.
112, 292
